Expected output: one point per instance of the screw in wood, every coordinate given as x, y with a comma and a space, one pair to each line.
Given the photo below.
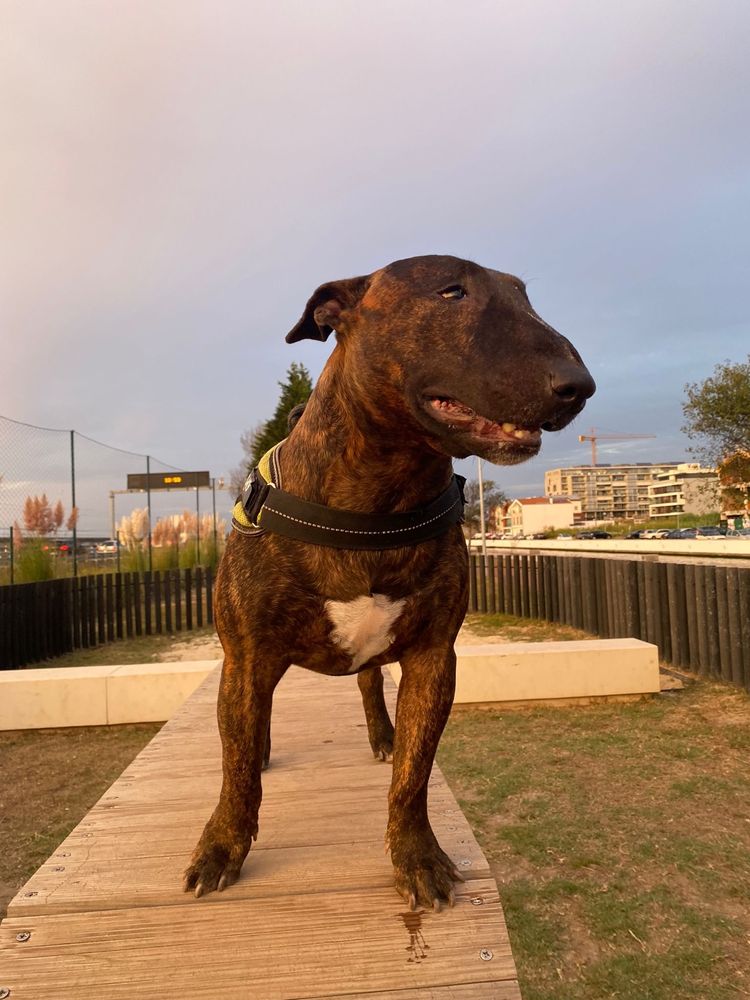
486, 955
23, 936
476, 901
4, 993
58, 868
464, 863
32, 893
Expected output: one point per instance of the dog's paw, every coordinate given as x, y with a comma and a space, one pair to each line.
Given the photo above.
383, 749
427, 879
216, 863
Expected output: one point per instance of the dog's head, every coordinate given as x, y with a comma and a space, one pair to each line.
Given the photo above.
454, 350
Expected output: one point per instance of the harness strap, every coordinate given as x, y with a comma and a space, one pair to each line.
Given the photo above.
264, 506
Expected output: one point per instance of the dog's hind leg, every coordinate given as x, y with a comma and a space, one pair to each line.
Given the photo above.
424, 872
379, 725
244, 711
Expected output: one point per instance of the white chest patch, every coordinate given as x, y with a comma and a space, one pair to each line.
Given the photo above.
363, 626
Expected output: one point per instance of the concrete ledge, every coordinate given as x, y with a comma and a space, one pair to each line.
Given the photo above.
533, 672
97, 696
493, 673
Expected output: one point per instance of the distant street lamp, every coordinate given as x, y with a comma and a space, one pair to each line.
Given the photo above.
482, 530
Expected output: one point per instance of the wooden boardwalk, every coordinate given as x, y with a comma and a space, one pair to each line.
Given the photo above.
314, 914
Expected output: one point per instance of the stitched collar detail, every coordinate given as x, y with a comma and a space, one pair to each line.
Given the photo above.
265, 506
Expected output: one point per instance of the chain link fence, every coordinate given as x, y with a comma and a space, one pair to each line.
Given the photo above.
66, 509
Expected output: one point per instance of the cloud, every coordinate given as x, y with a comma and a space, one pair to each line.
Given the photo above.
180, 176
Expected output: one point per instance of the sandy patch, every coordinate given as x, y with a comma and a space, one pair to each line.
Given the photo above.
202, 648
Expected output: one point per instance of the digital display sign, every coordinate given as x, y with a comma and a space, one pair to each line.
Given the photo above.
167, 480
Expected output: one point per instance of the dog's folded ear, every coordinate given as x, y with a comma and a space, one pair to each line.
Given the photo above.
327, 309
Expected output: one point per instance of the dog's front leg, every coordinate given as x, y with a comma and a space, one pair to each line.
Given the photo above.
379, 725
244, 713
424, 873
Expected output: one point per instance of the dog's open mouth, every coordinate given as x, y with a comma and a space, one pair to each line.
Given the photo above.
460, 417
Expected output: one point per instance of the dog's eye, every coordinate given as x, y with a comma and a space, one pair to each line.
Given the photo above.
453, 292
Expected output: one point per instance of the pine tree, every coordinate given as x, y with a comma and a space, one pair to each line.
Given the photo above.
296, 389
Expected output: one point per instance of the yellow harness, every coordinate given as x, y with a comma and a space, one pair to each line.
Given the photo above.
238, 511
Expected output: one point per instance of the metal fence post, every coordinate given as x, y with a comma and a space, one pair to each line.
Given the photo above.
148, 505
12, 556
197, 525
73, 501
216, 543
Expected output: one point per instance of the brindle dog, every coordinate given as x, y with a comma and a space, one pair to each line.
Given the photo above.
436, 358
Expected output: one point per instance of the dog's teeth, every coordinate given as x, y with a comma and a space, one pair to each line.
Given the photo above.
520, 434
509, 428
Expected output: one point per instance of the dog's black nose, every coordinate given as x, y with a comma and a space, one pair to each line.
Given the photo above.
572, 383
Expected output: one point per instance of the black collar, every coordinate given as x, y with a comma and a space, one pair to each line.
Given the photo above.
264, 506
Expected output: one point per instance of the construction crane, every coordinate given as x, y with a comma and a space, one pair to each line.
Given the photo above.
593, 437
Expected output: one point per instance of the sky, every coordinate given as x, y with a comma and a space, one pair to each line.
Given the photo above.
177, 177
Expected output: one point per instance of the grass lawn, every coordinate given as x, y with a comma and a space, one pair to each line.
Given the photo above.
620, 839
142, 649
512, 629
49, 780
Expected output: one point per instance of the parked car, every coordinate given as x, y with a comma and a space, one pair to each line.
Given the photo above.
709, 532
739, 533
107, 548
635, 534
594, 534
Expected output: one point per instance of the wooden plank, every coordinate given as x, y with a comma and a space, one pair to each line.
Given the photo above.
734, 625
148, 592
121, 876
467, 991
473, 606
168, 600
663, 607
128, 590
351, 941
118, 605
691, 640
91, 598
177, 589
188, 600
157, 602
700, 661
106, 916
743, 613
83, 611
712, 620
722, 614
101, 625
137, 604
209, 596
199, 596
110, 604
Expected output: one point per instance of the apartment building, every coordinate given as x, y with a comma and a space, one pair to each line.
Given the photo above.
532, 515
609, 492
688, 489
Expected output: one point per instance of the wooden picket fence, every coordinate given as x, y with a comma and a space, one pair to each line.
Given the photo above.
39, 621
698, 614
